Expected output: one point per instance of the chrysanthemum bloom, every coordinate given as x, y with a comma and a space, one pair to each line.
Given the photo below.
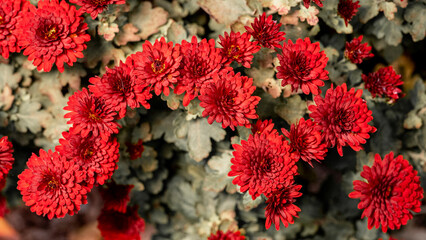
97, 158
10, 15
158, 65
200, 61
229, 235
6, 157
115, 196
54, 33
121, 226
265, 126
384, 82
302, 66
306, 141
228, 99
120, 87
95, 7
347, 9
237, 47
262, 164
266, 32
52, 185
343, 117
391, 192
90, 115
280, 206
306, 3
356, 52
135, 150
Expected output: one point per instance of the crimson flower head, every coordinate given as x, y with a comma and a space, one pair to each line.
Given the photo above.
135, 150
10, 14
53, 33
306, 141
229, 235
390, 195
356, 52
52, 186
200, 61
95, 7
6, 157
120, 87
237, 47
384, 82
266, 32
302, 66
90, 115
343, 118
306, 3
265, 126
228, 99
115, 196
121, 226
262, 164
97, 158
280, 206
3, 206
158, 65
347, 9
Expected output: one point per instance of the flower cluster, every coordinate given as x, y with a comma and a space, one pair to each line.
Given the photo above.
229, 235
391, 192
302, 66
343, 118
356, 52
6, 157
52, 34
264, 165
384, 82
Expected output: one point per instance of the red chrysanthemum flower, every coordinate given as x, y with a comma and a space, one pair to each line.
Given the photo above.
237, 47
384, 82
10, 14
391, 192
265, 126
158, 65
135, 150
228, 100
116, 197
90, 115
121, 226
306, 141
200, 61
266, 32
280, 206
356, 52
229, 235
52, 185
6, 157
343, 117
263, 164
3, 206
120, 87
95, 7
97, 158
306, 3
54, 33
302, 66
347, 9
